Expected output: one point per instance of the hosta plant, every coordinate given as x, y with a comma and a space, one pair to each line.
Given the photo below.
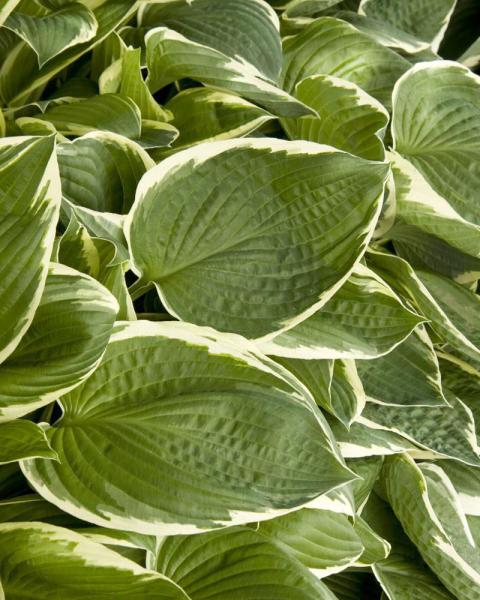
239, 310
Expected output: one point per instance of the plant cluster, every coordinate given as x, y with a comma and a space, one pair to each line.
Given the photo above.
239, 310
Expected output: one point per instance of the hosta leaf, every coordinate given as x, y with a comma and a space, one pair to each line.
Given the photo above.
419, 205
96, 257
333, 47
101, 170
403, 575
387, 34
316, 375
246, 31
425, 20
203, 114
236, 562
364, 319
339, 500
23, 439
105, 225
212, 414
6, 8
109, 112
334, 385
362, 440
368, 469
348, 118
63, 345
260, 257
466, 481
425, 251
156, 134
426, 505
403, 579
50, 35
461, 306
20, 77
32, 507
172, 56
436, 125
375, 547
449, 431
409, 375
36, 558
399, 274
133, 85
347, 394
307, 8
29, 209
307, 535
105, 53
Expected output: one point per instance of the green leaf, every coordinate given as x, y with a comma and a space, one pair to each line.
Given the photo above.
203, 114
6, 8
32, 507
364, 319
333, 47
366, 440
408, 376
23, 439
388, 35
398, 273
375, 547
134, 86
427, 252
403, 575
237, 561
316, 375
96, 257
448, 431
461, 305
419, 205
348, 118
245, 31
240, 250
104, 225
29, 207
424, 19
307, 534
347, 394
36, 558
368, 469
109, 112
63, 345
436, 125
403, 579
172, 56
466, 481
105, 53
307, 8
21, 80
231, 436
52, 34
425, 502
101, 171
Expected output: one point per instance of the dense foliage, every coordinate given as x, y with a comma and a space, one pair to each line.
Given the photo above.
239, 319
